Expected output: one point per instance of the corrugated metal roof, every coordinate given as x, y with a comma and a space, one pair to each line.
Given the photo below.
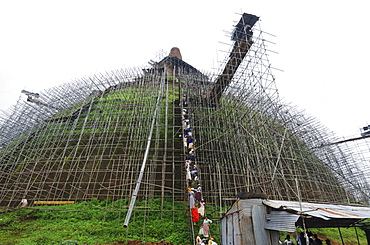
243, 206
322, 210
286, 215
315, 215
281, 221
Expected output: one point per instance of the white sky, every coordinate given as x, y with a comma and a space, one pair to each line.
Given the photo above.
323, 46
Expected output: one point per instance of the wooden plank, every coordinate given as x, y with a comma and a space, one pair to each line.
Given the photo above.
54, 202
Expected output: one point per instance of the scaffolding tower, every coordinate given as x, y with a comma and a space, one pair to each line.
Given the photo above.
89, 138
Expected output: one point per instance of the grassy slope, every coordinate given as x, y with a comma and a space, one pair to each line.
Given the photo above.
101, 223
91, 223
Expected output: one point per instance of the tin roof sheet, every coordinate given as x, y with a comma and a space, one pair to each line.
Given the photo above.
281, 221
322, 210
286, 215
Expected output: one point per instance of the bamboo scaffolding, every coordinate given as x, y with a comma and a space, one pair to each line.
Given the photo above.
88, 140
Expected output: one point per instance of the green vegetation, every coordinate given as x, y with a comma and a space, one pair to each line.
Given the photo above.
95, 222
348, 234
98, 222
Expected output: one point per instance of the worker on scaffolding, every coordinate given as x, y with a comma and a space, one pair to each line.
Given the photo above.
188, 132
187, 164
195, 182
204, 229
191, 155
198, 240
195, 214
188, 174
24, 203
185, 141
198, 193
184, 101
201, 209
191, 198
248, 32
185, 124
212, 241
195, 170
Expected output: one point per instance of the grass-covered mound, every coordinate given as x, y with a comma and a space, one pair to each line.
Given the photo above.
101, 222
94, 222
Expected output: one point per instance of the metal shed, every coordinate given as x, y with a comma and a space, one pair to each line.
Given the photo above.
244, 224
258, 221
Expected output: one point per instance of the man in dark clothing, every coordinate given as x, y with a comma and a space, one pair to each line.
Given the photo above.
301, 239
317, 240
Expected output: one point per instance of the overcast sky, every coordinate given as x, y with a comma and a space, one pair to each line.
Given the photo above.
323, 46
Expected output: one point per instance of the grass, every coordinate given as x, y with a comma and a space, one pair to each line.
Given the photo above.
93, 223
101, 222
348, 235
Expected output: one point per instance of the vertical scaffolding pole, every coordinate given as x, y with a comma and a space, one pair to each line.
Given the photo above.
138, 182
341, 237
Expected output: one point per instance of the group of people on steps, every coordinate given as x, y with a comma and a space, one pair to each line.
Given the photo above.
196, 201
